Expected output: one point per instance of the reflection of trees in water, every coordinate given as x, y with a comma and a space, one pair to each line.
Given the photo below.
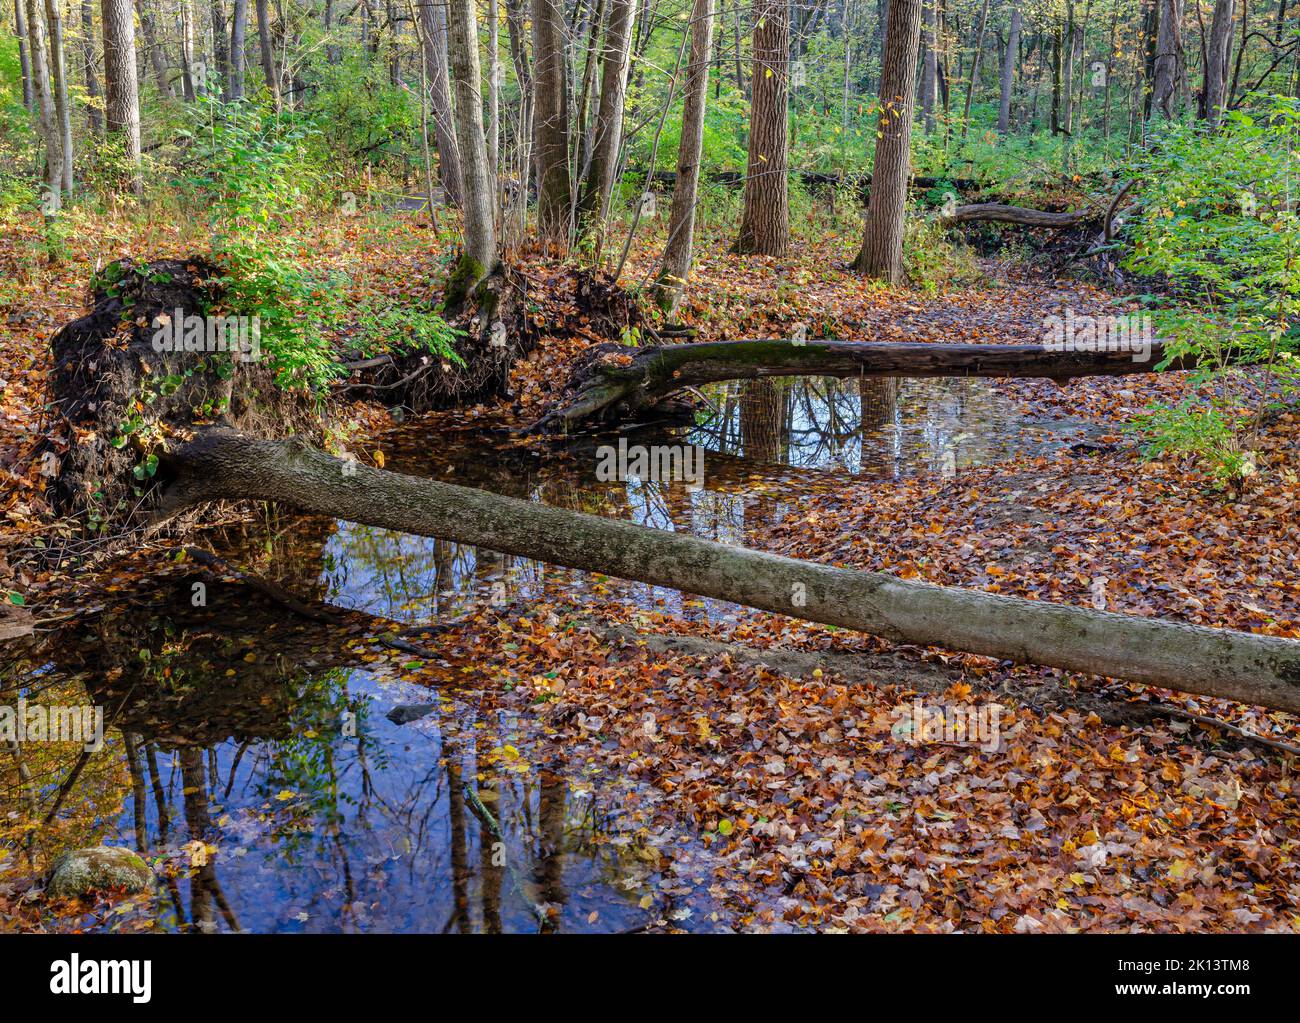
764, 419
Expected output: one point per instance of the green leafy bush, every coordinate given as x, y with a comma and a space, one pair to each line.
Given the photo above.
1219, 223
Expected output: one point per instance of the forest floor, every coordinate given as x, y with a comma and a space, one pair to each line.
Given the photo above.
813, 814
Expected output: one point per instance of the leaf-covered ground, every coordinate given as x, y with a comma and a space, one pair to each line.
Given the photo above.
789, 799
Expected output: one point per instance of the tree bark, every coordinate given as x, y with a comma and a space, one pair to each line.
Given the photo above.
121, 88
269, 71
220, 43
1009, 72
433, 37
94, 113
157, 58
998, 213
612, 385
479, 255
185, 27
681, 219
1170, 60
1216, 61
551, 124
607, 132
881, 255
974, 69
238, 31
1262, 670
47, 112
59, 70
930, 65
24, 58
765, 221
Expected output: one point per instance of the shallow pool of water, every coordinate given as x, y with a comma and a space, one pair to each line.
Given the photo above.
251, 753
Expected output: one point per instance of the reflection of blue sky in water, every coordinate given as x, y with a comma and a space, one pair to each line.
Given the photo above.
324, 832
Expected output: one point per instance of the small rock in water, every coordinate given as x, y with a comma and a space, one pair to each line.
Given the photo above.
84, 871
405, 713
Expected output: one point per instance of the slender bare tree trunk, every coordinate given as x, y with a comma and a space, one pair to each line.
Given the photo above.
121, 88
47, 112
1009, 73
582, 120
607, 132
157, 58
765, 221
930, 66
551, 124
681, 219
238, 31
185, 28
517, 33
59, 69
433, 37
94, 115
494, 98
479, 255
1216, 60
881, 255
1170, 73
220, 44
264, 44
24, 59
974, 69
1065, 99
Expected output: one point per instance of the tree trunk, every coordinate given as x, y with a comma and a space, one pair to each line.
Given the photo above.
157, 58
185, 27
1065, 100
94, 115
681, 219
269, 72
494, 99
1009, 73
222, 464
433, 37
1216, 61
765, 222
238, 29
1169, 58
930, 66
992, 212
24, 59
607, 132
582, 119
881, 255
974, 69
479, 256
220, 43
610, 384
551, 124
62, 105
47, 112
121, 89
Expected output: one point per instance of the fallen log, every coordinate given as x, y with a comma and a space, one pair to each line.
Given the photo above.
221, 463
998, 213
614, 379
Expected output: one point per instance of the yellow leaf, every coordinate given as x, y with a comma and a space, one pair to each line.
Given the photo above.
379, 459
